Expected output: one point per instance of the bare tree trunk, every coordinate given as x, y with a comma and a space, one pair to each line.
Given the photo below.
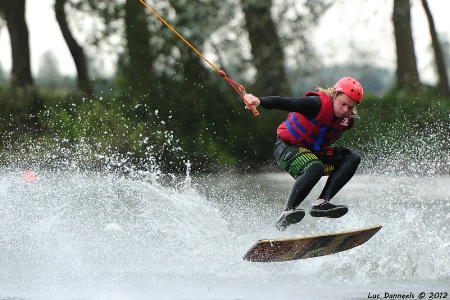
84, 84
139, 70
268, 55
14, 12
444, 87
407, 74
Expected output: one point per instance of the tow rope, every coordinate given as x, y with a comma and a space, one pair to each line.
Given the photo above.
240, 90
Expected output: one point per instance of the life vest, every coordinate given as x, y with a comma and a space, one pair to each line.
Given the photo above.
317, 133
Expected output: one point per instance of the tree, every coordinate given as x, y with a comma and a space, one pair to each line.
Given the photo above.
3, 78
14, 14
295, 20
268, 55
443, 84
48, 71
79, 58
445, 47
197, 91
139, 74
407, 73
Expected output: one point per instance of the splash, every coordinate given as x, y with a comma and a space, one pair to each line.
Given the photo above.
406, 147
29, 176
85, 229
95, 225
188, 180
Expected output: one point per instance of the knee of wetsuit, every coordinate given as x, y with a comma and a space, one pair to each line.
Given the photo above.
355, 158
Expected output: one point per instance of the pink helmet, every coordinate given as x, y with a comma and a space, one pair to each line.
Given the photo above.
351, 87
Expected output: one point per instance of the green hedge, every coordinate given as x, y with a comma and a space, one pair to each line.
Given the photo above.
49, 128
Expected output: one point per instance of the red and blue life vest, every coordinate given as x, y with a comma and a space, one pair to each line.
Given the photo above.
313, 134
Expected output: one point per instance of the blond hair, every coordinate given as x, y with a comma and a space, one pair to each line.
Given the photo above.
331, 92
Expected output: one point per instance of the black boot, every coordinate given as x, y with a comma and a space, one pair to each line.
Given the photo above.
289, 217
328, 210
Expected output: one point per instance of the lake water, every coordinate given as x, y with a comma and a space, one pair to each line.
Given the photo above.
88, 235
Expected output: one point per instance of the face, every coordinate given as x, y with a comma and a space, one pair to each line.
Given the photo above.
343, 106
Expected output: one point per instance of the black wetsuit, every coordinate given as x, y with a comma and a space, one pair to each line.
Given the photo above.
343, 161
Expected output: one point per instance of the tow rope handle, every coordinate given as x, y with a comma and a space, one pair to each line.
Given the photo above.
240, 89
236, 86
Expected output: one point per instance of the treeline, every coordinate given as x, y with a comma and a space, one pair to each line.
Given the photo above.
164, 104
210, 135
106, 132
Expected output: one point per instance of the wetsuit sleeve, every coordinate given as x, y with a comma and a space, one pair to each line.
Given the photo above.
308, 106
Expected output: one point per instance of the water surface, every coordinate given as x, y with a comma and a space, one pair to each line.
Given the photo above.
91, 235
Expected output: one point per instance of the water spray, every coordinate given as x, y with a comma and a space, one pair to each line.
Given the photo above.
187, 181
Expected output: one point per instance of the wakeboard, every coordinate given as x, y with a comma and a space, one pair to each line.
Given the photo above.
286, 249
